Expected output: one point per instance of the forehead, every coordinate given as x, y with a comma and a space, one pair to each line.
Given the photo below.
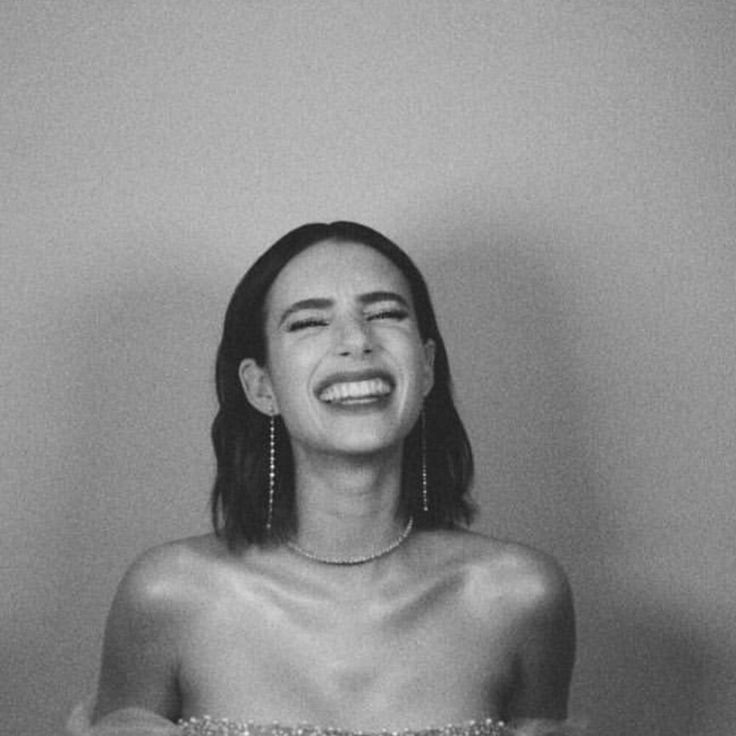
333, 270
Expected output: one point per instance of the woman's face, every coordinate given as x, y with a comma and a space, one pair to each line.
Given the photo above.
346, 367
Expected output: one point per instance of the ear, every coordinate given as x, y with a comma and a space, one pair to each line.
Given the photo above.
257, 386
428, 378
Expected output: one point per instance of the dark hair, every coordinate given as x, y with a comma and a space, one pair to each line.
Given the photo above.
240, 432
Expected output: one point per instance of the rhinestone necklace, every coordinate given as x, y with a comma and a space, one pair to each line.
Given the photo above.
294, 547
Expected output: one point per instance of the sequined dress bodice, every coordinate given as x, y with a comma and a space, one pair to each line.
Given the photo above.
133, 721
223, 727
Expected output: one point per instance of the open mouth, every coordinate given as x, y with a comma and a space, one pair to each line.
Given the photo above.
362, 391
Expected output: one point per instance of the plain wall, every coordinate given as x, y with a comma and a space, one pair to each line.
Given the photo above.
564, 172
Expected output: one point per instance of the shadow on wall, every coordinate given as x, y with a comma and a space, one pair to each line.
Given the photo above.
510, 339
511, 318
648, 667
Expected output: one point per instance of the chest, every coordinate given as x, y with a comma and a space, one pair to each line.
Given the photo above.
304, 658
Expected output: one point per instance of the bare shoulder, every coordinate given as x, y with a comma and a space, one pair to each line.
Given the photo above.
155, 600
520, 576
531, 575
155, 594
165, 576
525, 594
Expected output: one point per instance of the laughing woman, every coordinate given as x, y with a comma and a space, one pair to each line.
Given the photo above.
341, 586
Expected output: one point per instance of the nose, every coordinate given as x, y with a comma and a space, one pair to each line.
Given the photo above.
353, 337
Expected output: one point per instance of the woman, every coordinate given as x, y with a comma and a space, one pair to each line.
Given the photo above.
339, 588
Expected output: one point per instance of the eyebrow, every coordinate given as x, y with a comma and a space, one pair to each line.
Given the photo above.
372, 297
382, 296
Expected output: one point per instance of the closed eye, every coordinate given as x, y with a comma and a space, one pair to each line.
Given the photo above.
393, 314
306, 323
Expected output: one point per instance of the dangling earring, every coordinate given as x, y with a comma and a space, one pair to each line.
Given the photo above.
425, 493
271, 470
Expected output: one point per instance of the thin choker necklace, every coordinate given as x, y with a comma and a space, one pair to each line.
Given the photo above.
294, 547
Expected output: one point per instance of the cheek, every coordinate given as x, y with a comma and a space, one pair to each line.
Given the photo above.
289, 373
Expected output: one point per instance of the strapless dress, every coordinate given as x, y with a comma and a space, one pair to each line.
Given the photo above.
141, 722
223, 727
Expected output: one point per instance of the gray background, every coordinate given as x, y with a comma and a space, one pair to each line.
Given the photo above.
564, 174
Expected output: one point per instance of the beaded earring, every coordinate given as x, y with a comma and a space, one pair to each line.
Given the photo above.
271, 470
425, 491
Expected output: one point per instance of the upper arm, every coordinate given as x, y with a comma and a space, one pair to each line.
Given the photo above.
140, 660
546, 652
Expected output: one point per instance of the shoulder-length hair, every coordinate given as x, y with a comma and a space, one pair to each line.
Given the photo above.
240, 433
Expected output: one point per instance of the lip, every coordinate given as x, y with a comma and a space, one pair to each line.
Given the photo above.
351, 376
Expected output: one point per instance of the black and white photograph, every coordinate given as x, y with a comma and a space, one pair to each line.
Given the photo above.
368, 368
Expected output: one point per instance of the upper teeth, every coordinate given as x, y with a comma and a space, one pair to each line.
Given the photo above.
355, 390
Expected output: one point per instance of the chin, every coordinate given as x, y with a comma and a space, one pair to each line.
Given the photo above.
366, 445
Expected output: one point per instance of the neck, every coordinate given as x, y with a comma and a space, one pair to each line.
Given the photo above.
348, 508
